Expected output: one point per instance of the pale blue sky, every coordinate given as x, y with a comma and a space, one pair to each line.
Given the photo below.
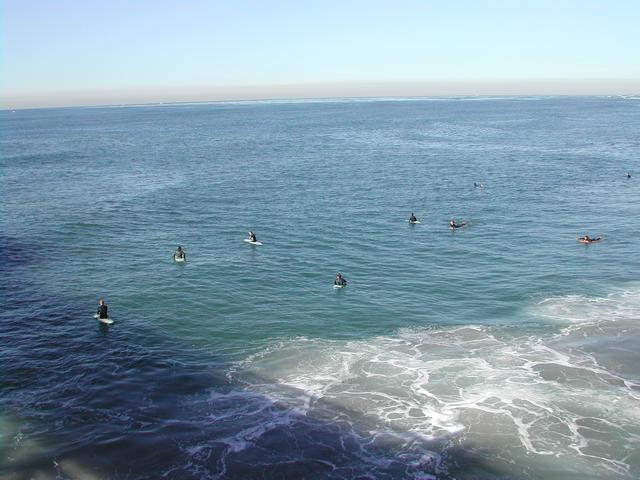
86, 47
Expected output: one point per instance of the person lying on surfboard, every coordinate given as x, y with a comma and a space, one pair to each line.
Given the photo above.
102, 309
252, 237
587, 239
180, 253
340, 280
453, 224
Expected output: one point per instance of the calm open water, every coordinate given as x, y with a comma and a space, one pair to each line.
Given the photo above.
503, 350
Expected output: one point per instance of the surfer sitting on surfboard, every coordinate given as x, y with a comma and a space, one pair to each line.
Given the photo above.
252, 237
340, 280
413, 218
102, 309
180, 253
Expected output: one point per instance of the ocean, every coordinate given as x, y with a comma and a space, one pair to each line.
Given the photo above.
501, 350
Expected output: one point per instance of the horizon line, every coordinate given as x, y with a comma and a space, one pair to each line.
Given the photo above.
139, 96
389, 98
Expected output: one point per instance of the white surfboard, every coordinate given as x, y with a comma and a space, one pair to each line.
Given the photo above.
108, 321
252, 243
338, 286
178, 259
414, 223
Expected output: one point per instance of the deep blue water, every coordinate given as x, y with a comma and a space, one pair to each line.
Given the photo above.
505, 349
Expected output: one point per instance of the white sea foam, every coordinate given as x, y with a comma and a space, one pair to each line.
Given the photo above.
619, 305
524, 399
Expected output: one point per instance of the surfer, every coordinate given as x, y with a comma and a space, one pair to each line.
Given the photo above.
412, 218
102, 309
252, 237
453, 224
340, 280
628, 175
180, 253
587, 239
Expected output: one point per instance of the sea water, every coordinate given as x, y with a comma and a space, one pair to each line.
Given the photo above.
505, 349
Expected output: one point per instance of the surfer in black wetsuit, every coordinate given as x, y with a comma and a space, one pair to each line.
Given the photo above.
340, 280
180, 253
252, 237
628, 175
455, 225
588, 239
102, 309
413, 218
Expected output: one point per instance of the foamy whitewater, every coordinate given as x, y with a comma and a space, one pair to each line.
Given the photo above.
503, 350
543, 399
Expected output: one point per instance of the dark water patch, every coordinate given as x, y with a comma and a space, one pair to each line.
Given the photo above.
19, 253
130, 422
122, 404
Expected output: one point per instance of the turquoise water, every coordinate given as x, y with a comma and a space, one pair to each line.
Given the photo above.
505, 349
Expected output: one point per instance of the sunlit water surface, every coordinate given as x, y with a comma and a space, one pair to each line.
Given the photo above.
503, 350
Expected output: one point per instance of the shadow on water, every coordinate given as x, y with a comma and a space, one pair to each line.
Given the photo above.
132, 416
115, 402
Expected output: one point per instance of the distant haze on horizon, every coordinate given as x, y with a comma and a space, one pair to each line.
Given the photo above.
71, 53
317, 91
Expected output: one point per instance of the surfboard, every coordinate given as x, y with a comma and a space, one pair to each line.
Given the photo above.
178, 259
338, 286
107, 321
414, 223
252, 243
